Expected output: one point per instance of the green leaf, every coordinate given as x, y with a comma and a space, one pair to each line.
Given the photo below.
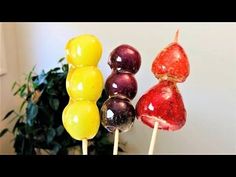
22, 94
31, 113
16, 125
61, 59
28, 147
8, 114
22, 104
21, 89
35, 85
54, 103
29, 129
30, 74
65, 67
13, 86
52, 92
60, 130
19, 144
50, 84
41, 79
50, 135
17, 91
55, 69
19, 126
3, 132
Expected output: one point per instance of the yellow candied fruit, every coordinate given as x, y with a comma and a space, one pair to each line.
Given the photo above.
81, 119
84, 83
84, 50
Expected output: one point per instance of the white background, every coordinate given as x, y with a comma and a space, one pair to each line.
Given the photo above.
209, 93
3, 67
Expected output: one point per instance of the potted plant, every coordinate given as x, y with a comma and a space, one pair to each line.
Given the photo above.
38, 124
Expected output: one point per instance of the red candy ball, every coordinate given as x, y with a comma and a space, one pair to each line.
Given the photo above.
121, 85
125, 58
117, 113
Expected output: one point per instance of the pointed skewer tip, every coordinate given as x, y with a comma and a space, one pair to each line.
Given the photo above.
176, 36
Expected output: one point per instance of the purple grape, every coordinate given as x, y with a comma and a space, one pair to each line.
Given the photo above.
125, 58
117, 113
122, 85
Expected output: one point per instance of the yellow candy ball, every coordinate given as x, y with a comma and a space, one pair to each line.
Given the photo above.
71, 70
84, 50
81, 119
66, 108
84, 83
68, 77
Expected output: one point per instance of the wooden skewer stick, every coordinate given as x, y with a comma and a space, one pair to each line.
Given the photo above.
85, 146
153, 140
176, 36
116, 142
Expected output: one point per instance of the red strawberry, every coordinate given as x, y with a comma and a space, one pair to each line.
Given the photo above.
162, 103
171, 63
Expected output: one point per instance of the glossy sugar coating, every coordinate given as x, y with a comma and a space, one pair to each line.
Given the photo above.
84, 50
125, 58
84, 84
117, 113
121, 86
162, 103
171, 64
81, 119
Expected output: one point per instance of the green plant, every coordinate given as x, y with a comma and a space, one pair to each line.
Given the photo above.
38, 123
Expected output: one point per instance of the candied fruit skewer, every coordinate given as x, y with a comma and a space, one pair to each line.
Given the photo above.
84, 84
162, 107
117, 112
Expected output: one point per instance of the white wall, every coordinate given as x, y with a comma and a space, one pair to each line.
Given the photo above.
7, 100
3, 65
209, 93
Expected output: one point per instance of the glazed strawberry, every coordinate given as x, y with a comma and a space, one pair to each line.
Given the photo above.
162, 103
171, 63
